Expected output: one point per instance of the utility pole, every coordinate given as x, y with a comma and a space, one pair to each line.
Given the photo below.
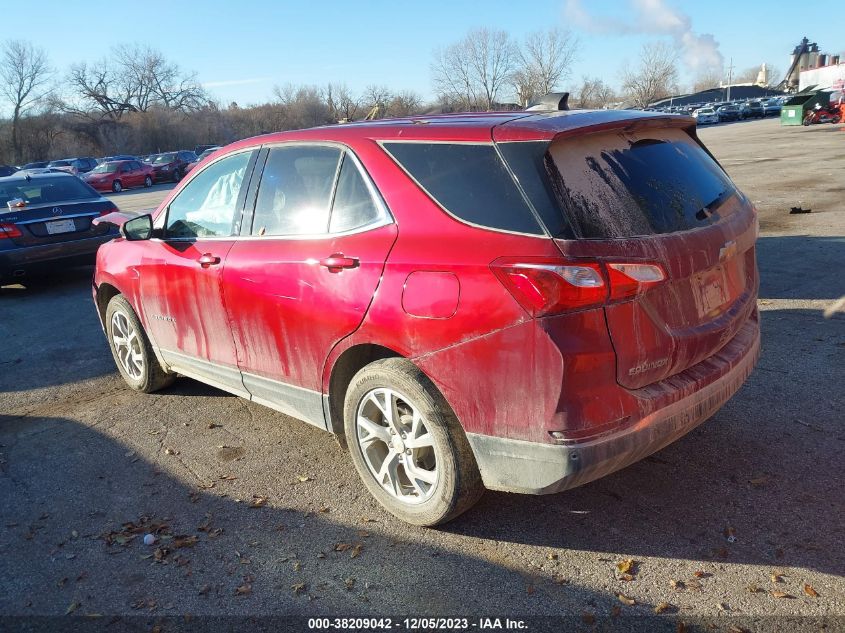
730, 78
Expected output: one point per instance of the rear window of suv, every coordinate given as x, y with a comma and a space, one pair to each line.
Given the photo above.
616, 185
469, 181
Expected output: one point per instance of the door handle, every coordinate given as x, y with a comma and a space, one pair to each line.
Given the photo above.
338, 261
208, 259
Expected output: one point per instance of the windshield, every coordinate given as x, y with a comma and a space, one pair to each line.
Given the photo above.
105, 168
46, 190
164, 158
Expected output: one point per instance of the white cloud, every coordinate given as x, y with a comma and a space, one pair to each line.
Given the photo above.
700, 52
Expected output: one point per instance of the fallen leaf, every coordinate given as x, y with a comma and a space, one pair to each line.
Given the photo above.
661, 607
184, 541
297, 566
73, 607
781, 594
753, 589
206, 486
299, 588
776, 578
363, 534
758, 481
350, 583
356, 551
808, 589
529, 589
321, 555
244, 590
700, 574
721, 606
551, 556
625, 566
303, 478
588, 618
170, 451
324, 509
342, 547
677, 584
626, 577
626, 600
693, 584
227, 477
258, 501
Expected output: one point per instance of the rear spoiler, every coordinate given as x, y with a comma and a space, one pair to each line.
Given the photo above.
551, 127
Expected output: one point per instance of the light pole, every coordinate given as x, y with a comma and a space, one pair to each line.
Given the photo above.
730, 78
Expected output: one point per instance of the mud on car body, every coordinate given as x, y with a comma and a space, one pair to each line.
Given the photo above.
515, 301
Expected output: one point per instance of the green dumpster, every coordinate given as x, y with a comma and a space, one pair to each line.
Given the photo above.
791, 115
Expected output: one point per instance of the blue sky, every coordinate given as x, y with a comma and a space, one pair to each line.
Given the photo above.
240, 50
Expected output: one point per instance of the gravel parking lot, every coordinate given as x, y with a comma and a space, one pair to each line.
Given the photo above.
740, 524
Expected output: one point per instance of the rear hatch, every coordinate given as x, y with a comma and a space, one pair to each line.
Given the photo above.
653, 194
55, 209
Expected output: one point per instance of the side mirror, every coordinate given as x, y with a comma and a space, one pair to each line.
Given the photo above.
136, 229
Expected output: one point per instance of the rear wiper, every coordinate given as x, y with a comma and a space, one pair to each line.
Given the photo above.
709, 209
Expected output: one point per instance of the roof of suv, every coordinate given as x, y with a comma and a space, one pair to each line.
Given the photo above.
474, 127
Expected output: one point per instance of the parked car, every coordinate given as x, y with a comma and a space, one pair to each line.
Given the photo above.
706, 115
771, 106
171, 165
392, 283
205, 153
111, 159
751, 110
119, 175
200, 149
728, 113
7, 170
46, 223
73, 166
36, 165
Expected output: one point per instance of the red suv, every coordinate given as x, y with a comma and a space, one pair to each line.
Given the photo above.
514, 301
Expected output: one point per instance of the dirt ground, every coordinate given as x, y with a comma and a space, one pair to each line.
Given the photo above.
738, 526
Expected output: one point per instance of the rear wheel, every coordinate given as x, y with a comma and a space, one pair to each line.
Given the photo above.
177, 175
407, 445
131, 349
148, 182
116, 186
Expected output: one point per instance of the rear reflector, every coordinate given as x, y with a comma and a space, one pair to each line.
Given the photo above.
548, 287
9, 230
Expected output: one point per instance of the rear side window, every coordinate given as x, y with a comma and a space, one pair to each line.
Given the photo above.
46, 191
638, 183
468, 181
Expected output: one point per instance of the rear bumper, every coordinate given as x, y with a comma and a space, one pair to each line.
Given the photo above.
537, 468
27, 259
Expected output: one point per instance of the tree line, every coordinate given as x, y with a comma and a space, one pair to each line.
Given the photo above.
137, 101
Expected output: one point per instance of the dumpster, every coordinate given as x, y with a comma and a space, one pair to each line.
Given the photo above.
791, 115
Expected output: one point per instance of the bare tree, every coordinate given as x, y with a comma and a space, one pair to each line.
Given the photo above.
593, 93
133, 79
543, 61
25, 74
706, 80
376, 99
404, 103
342, 104
471, 72
655, 75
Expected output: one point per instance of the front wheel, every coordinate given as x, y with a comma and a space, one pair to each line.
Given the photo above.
408, 446
177, 175
116, 186
131, 349
148, 182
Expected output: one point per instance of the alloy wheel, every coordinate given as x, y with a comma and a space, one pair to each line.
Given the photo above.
397, 447
127, 346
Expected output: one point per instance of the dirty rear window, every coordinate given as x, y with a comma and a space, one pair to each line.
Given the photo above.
634, 184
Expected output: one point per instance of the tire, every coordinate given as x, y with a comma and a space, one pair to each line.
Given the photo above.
177, 175
148, 182
807, 120
117, 186
442, 455
141, 369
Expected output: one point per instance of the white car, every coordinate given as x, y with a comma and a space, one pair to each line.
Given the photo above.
705, 115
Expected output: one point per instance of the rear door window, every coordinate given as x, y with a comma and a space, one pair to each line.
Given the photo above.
294, 196
469, 181
353, 205
636, 183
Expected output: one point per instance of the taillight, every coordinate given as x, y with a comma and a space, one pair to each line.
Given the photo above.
9, 230
631, 279
545, 288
